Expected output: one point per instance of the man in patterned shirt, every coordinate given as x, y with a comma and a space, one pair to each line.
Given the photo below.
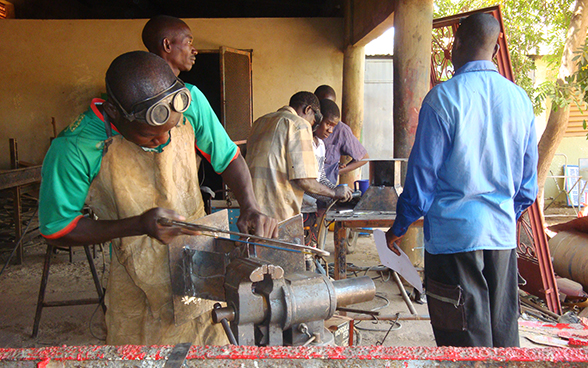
281, 158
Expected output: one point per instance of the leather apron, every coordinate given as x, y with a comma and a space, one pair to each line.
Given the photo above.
138, 297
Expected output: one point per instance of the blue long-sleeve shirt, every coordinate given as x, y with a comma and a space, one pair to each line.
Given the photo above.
473, 167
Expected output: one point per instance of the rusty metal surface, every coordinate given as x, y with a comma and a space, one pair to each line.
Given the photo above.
340, 252
443, 29
544, 264
378, 198
17, 177
250, 356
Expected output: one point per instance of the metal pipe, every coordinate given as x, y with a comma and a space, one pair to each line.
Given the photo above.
226, 325
354, 290
219, 313
403, 293
569, 251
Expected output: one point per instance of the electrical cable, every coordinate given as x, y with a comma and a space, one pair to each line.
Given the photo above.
101, 300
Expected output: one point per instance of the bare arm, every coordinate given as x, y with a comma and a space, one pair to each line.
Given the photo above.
310, 185
353, 165
88, 231
251, 220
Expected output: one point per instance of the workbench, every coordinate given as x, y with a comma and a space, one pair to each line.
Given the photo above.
345, 218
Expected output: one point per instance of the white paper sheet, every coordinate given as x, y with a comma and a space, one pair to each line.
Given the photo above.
399, 263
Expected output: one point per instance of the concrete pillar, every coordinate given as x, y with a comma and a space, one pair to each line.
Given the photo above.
353, 76
412, 62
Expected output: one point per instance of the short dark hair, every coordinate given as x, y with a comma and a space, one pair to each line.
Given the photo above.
479, 31
329, 109
158, 28
303, 99
323, 91
137, 75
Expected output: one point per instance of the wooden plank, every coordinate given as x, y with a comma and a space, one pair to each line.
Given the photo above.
18, 177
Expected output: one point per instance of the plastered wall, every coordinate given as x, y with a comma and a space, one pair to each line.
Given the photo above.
53, 68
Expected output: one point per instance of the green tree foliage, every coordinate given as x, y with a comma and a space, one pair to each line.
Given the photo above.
532, 27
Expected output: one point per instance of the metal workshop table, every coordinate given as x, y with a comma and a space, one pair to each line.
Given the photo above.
345, 219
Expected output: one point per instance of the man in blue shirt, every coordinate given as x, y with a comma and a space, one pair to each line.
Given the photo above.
471, 173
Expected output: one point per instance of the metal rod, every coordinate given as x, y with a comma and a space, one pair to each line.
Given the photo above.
309, 340
403, 293
266, 245
393, 317
187, 225
359, 311
226, 327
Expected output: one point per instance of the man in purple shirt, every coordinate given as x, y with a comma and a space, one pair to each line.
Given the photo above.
340, 141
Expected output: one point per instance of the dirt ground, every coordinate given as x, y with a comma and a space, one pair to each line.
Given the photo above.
84, 325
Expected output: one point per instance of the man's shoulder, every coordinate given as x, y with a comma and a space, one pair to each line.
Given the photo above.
86, 126
283, 114
197, 95
341, 133
342, 128
85, 136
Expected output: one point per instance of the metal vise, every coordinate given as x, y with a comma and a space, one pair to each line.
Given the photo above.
271, 298
267, 308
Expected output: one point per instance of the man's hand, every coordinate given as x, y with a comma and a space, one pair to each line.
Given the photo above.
393, 241
343, 193
252, 221
165, 234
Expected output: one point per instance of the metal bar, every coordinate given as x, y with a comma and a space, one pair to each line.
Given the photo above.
394, 317
66, 303
403, 293
359, 311
95, 277
226, 327
544, 259
17, 177
16, 201
340, 251
253, 252
196, 227
177, 356
40, 301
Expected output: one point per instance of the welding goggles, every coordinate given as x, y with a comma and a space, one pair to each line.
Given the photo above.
156, 110
318, 117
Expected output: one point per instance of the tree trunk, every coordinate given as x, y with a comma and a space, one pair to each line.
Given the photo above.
558, 119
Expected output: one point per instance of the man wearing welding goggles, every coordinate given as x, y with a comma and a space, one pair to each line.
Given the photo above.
131, 158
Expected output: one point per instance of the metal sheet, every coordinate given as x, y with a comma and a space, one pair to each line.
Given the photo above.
184, 312
378, 198
290, 230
